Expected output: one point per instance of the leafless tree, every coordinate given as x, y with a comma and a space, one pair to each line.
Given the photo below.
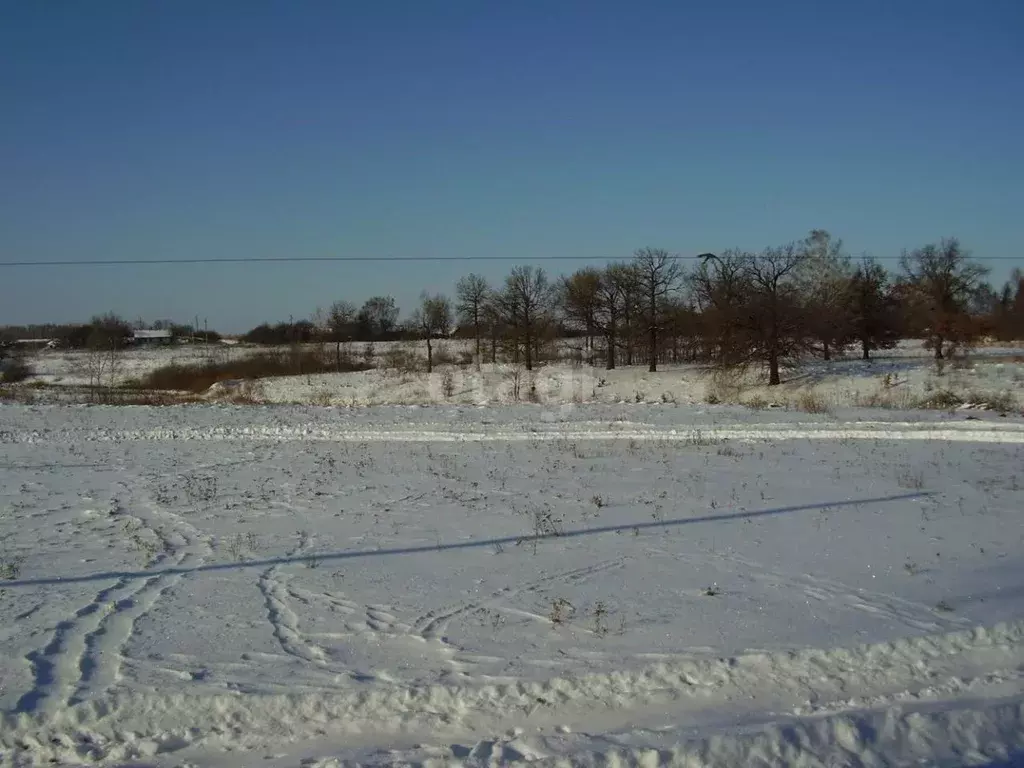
659, 276
378, 317
720, 290
873, 308
827, 287
105, 346
757, 306
943, 279
579, 296
525, 307
472, 294
433, 318
615, 305
341, 326
780, 328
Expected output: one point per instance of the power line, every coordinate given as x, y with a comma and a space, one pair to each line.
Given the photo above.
300, 259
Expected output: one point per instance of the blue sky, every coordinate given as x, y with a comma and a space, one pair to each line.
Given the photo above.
529, 129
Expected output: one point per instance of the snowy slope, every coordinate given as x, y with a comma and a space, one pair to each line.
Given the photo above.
588, 585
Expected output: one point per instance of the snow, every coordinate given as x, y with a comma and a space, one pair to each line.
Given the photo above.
461, 585
898, 378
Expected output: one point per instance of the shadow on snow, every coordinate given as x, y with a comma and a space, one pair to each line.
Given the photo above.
324, 557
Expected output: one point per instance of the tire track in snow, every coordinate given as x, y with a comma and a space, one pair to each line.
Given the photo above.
921, 666
86, 653
284, 621
430, 625
918, 616
59, 667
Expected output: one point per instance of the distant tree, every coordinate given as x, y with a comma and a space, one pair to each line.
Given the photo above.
659, 276
827, 286
525, 307
109, 334
780, 330
579, 297
433, 318
874, 308
1008, 315
378, 317
759, 308
109, 331
472, 295
617, 299
491, 317
340, 322
943, 280
720, 289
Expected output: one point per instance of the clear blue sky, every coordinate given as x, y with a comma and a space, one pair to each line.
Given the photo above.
533, 128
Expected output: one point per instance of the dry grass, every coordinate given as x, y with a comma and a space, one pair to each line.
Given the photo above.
724, 386
812, 402
15, 371
199, 378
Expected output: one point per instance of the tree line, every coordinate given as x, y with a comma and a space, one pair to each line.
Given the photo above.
770, 309
736, 309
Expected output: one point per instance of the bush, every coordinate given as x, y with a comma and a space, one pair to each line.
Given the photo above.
15, 371
403, 360
941, 400
811, 402
199, 378
444, 356
996, 401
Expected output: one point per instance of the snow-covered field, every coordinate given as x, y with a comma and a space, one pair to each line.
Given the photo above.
568, 585
899, 378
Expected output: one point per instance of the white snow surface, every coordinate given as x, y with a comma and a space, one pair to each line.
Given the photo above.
897, 378
572, 585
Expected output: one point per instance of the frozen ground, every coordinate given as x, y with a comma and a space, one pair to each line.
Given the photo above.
898, 378
596, 585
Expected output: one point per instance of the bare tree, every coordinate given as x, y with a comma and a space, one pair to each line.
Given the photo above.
525, 306
1008, 315
759, 308
659, 276
579, 296
491, 317
615, 305
943, 280
472, 294
780, 329
105, 346
378, 317
341, 326
873, 308
433, 318
720, 289
827, 274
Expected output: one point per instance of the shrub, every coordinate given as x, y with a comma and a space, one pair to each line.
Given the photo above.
403, 360
199, 378
811, 402
15, 371
997, 401
943, 399
448, 383
443, 356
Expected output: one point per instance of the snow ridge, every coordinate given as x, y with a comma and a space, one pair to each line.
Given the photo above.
986, 432
141, 724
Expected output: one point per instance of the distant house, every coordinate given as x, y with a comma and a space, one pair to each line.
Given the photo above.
152, 337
